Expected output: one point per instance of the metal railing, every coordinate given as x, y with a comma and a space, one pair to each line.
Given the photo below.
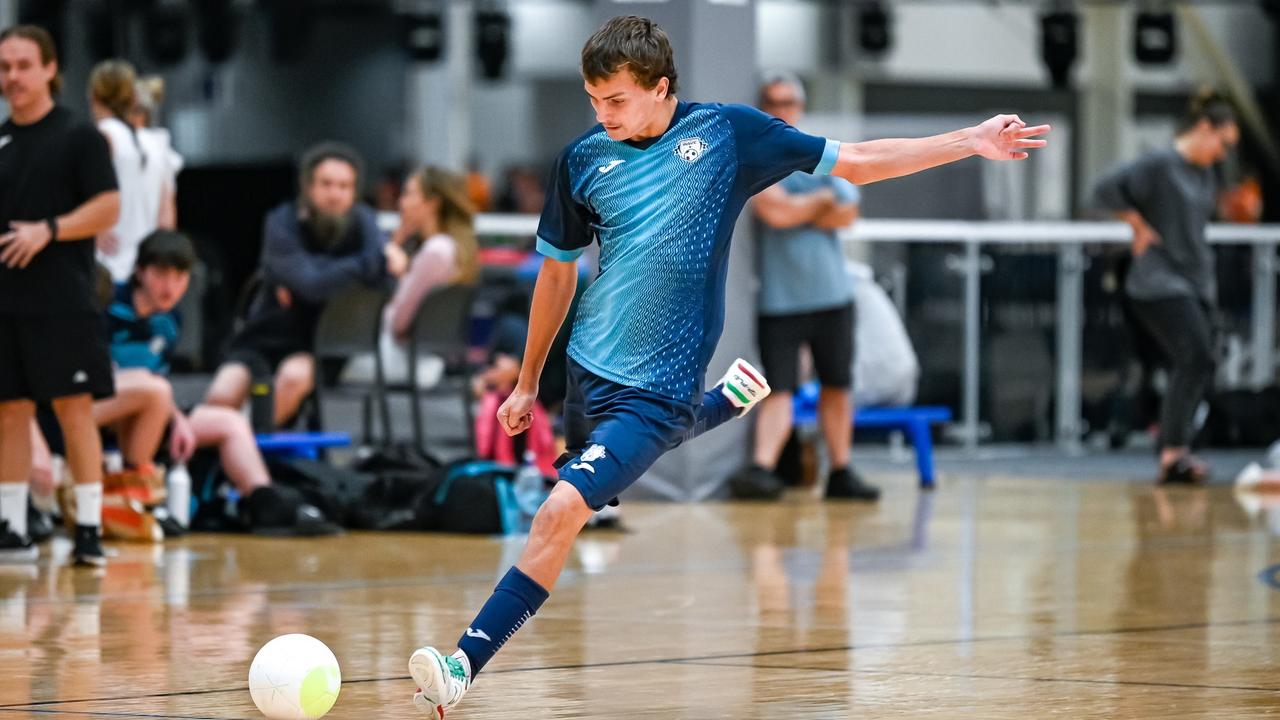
1068, 239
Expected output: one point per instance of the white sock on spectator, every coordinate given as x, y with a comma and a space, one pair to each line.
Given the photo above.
89, 504
13, 506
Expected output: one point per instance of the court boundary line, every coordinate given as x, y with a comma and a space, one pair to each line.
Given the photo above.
705, 659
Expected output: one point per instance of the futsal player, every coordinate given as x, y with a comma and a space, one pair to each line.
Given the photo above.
659, 182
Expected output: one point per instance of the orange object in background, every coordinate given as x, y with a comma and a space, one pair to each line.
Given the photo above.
1242, 202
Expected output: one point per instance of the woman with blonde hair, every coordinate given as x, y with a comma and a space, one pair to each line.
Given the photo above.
143, 167
433, 246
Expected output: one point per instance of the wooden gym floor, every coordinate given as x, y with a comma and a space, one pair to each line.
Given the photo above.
993, 598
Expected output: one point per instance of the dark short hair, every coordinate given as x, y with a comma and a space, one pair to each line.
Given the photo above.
633, 41
1208, 105
166, 249
317, 154
43, 40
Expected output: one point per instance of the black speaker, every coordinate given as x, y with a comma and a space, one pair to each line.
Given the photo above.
50, 15
103, 24
164, 25
875, 31
1155, 38
493, 32
217, 30
424, 35
1059, 45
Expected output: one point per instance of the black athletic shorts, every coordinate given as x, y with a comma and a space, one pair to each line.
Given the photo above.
44, 357
829, 335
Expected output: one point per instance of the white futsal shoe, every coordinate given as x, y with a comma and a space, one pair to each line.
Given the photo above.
442, 680
744, 386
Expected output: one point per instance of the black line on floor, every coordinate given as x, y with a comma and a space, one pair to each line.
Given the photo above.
98, 713
723, 656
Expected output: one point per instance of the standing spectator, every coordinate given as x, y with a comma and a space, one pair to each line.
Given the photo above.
57, 192
806, 299
142, 168
313, 249
1168, 197
149, 91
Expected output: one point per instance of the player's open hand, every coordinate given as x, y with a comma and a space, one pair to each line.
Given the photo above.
516, 414
1006, 137
23, 241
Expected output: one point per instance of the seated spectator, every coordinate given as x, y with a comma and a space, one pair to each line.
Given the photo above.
433, 246
313, 249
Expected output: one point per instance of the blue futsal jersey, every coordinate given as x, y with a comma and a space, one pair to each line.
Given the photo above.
663, 210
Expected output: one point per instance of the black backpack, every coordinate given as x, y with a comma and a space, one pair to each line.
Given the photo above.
471, 496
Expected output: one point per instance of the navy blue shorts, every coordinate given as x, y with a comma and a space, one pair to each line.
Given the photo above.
614, 433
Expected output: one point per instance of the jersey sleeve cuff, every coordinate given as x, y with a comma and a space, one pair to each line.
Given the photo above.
555, 253
830, 154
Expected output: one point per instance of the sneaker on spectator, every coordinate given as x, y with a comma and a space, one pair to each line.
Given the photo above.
88, 547
124, 518
15, 548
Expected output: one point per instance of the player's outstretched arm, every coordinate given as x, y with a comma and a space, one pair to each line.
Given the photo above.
1003, 137
552, 296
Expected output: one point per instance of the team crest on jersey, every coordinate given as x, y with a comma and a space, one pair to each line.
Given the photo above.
690, 149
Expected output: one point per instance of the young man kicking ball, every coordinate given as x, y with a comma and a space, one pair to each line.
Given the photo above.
659, 182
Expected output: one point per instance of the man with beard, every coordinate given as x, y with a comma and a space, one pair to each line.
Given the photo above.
312, 250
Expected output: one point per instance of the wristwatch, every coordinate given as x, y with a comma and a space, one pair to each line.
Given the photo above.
52, 222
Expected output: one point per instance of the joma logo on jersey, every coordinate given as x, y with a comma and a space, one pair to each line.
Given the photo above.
690, 149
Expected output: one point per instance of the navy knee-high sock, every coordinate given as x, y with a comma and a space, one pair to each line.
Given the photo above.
516, 599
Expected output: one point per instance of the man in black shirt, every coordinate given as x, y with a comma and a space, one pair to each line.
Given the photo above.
57, 191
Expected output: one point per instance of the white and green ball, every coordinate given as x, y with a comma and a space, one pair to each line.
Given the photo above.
294, 677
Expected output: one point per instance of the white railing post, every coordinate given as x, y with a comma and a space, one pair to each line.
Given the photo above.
972, 341
1264, 315
1071, 264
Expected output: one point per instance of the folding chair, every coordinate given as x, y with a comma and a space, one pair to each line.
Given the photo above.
442, 327
348, 326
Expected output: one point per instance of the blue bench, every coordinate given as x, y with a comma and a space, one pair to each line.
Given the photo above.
915, 422
306, 445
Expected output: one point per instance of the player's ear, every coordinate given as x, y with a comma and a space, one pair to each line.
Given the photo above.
664, 84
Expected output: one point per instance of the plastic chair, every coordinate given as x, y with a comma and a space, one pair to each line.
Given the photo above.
441, 327
348, 326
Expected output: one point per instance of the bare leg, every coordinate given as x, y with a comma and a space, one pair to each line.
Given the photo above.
294, 381
141, 408
43, 484
230, 386
835, 414
773, 427
551, 537
16, 417
80, 432
230, 432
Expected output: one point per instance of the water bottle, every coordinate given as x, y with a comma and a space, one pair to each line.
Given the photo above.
262, 405
113, 460
529, 487
179, 502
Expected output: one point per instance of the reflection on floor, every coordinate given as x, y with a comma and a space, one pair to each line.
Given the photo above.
996, 598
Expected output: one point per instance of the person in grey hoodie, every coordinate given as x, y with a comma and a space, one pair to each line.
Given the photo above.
1168, 197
